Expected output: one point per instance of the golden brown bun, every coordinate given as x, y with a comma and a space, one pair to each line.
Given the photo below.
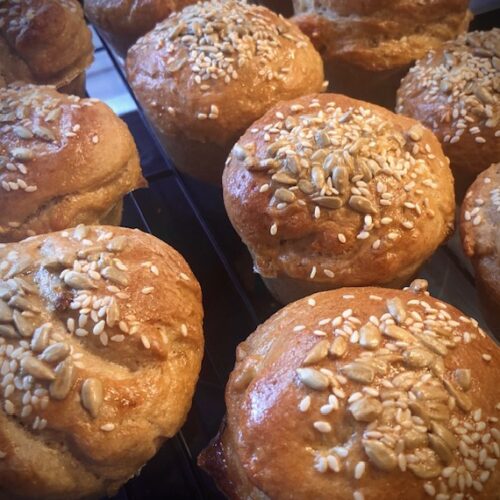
330, 398
117, 371
370, 202
44, 42
63, 161
455, 91
368, 46
480, 231
124, 21
200, 117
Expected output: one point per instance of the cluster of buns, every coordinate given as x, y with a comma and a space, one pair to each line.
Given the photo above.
45, 42
100, 348
362, 393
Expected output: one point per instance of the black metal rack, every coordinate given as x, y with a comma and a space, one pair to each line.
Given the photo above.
190, 216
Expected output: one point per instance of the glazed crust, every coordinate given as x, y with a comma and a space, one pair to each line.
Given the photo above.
479, 229
64, 161
124, 21
401, 217
35, 49
271, 448
195, 112
380, 34
455, 92
141, 347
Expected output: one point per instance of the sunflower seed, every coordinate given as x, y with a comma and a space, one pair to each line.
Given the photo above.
44, 133
292, 165
415, 133
398, 333
112, 314
284, 178
463, 401
318, 177
396, 309
418, 358
430, 393
41, 337
362, 205
115, 276
369, 336
5, 312
239, 152
463, 378
23, 154
433, 344
380, 455
23, 324
60, 387
322, 139
317, 353
445, 435
23, 132
117, 244
8, 332
79, 281
284, 195
483, 95
55, 352
92, 396
414, 439
338, 347
23, 304
366, 409
441, 449
313, 378
328, 162
331, 202
35, 367
425, 470
306, 187
419, 410
419, 285
359, 372
437, 411
340, 179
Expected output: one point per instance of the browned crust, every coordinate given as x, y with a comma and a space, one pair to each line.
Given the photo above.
268, 443
43, 51
147, 386
85, 169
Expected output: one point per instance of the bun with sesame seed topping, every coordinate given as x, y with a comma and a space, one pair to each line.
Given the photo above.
207, 72
100, 349
45, 42
369, 45
479, 228
327, 192
124, 21
63, 161
455, 91
362, 393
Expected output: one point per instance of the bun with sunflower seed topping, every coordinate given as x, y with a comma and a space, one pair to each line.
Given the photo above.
63, 161
362, 393
479, 228
455, 91
207, 72
124, 21
45, 42
327, 192
100, 348
368, 45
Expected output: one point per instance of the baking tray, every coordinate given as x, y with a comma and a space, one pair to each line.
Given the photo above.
190, 216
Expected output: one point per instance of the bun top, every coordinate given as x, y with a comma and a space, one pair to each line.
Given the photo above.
455, 91
53, 146
100, 348
380, 34
373, 391
35, 48
333, 189
212, 68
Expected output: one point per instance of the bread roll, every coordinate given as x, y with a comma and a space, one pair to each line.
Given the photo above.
362, 393
207, 72
327, 192
368, 45
45, 42
455, 91
124, 21
100, 349
479, 228
63, 161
